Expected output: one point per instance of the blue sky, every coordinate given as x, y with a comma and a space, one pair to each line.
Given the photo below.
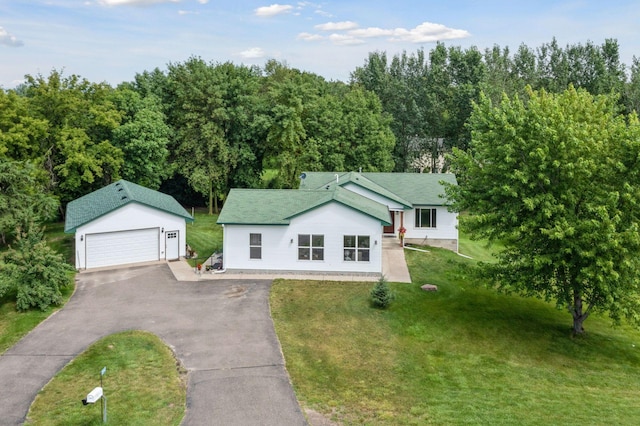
112, 40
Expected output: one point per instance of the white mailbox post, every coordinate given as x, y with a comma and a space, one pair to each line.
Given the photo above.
98, 394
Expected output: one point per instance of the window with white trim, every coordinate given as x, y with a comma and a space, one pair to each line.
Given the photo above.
357, 248
310, 247
425, 218
255, 246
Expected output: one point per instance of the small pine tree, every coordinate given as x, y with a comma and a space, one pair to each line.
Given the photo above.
381, 295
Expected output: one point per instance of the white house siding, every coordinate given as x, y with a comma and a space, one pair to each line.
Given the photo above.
280, 243
131, 216
445, 234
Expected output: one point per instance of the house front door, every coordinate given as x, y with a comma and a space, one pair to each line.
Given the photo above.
391, 229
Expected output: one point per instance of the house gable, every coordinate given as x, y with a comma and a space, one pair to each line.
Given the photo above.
247, 206
114, 196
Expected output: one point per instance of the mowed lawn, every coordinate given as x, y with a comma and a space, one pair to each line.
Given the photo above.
204, 236
463, 355
144, 385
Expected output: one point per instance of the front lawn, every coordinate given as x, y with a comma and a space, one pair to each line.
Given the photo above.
143, 383
463, 355
204, 236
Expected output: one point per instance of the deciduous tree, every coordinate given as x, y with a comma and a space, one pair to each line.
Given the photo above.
556, 180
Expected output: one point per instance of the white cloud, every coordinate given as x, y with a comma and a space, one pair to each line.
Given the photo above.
134, 2
337, 26
428, 32
309, 37
348, 33
371, 32
345, 40
253, 53
423, 33
323, 13
273, 10
8, 39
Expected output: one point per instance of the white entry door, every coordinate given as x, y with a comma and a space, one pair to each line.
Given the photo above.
172, 245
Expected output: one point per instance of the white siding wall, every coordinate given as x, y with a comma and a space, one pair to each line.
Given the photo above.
279, 253
446, 225
127, 217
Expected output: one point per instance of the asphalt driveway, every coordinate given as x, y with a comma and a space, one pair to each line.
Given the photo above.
220, 330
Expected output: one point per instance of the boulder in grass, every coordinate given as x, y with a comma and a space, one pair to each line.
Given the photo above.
429, 287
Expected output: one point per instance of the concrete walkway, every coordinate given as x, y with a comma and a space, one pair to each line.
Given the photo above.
221, 331
394, 265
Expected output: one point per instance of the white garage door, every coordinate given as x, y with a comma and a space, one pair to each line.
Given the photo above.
118, 248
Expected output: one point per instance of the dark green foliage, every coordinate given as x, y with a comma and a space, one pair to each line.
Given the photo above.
556, 181
23, 198
381, 295
33, 272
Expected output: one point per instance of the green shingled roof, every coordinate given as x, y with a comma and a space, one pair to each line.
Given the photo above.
112, 197
279, 206
406, 188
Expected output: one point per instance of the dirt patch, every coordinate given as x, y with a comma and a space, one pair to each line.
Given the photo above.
236, 291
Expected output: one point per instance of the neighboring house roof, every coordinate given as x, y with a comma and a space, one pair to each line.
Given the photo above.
105, 200
279, 206
409, 189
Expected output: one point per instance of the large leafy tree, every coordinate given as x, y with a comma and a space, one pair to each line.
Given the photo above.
143, 138
20, 133
75, 149
556, 179
198, 115
23, 198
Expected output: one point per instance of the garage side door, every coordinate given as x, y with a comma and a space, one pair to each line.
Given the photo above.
118, 248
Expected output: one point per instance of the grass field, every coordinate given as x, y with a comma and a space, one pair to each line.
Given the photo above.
143, 384
204, 236
462, 355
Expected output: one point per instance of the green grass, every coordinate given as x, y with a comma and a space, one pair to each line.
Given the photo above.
59, 241
477, 250
204, 236
143, 383
462, 355
14, 325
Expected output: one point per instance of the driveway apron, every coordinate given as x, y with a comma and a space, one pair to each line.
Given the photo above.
221, 331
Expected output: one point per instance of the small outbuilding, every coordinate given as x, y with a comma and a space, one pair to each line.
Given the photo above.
126, 223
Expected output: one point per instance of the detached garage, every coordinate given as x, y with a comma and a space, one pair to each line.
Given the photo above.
125, 223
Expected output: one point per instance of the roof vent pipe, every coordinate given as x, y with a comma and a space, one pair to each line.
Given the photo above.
337, 178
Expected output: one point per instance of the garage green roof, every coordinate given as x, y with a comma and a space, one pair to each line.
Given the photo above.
409, 189
279, 206
105, 200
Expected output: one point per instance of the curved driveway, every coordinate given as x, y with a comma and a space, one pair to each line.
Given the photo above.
220, 330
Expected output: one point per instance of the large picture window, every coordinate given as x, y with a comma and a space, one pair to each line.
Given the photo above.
310, 247
255, 246
357, 248
425, 218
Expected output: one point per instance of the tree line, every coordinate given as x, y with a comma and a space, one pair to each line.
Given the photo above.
199, 128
